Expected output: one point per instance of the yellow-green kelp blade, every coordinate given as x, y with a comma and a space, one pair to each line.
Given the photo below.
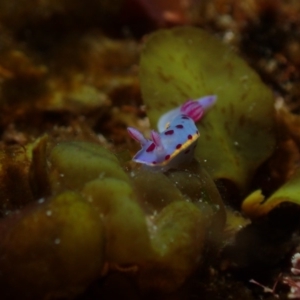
255, 204
187, 63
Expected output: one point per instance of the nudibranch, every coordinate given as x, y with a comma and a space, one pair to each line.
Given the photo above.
177, 135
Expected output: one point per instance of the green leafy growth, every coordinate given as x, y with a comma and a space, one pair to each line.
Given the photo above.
255, 205
97, 215
187, 63
74, 163
54, 247
178, 241
187, 215
127, 239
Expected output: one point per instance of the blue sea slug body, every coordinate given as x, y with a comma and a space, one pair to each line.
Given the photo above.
177, 135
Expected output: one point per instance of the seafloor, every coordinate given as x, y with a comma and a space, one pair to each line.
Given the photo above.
79, 219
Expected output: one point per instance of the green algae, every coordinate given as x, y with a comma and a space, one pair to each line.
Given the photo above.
51, 247
237, 134
178, 241
186, 214
163, 225
197, 186
154, 199
95, 216
127, 239
191, 184
255, 205
92, 161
